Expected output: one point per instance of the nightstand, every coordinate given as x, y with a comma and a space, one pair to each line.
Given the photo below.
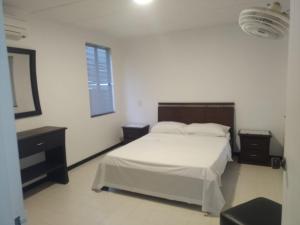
133, 132
255, 147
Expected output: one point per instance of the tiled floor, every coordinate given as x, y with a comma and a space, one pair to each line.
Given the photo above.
76, 204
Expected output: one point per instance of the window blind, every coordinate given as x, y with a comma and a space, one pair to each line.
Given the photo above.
100, 82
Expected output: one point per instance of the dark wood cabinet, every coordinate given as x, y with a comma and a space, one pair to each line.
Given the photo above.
133, 132
51, 141
255, 147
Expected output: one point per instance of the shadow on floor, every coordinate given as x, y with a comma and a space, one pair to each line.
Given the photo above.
155, 199
229, 182
36, 189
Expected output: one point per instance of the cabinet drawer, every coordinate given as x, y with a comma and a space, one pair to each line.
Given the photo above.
255, 156
132, 133
255, 143
41, 143
252, 153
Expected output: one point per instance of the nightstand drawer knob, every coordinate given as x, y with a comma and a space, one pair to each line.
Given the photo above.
253, 144
40, 144
253, 155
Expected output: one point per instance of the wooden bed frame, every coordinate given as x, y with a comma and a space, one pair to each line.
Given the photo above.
222, 113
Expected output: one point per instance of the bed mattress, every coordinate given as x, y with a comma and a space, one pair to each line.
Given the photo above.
179, 167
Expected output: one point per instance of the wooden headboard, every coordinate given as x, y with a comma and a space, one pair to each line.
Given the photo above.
222, 113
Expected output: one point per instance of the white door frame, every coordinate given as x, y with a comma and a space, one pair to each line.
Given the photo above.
11, 197
291, 200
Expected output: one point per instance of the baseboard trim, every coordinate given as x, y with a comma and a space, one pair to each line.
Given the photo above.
75, 165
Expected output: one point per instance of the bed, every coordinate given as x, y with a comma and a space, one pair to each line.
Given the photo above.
185, 168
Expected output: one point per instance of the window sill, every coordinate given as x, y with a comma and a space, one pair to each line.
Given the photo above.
103, 114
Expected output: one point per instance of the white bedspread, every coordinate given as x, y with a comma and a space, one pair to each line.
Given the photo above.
185, 168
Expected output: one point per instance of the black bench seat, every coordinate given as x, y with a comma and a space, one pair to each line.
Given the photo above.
259, 211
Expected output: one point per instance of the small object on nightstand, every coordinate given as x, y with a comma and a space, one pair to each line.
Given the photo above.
132, 132
255, 147
278, 163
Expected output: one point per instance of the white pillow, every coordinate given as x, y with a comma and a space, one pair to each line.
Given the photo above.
225, 128
207, 129
168, 127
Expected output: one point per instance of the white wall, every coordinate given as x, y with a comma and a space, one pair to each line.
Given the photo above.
63, 88
209, 65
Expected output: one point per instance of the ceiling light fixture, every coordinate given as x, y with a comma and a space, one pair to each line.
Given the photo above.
142, 2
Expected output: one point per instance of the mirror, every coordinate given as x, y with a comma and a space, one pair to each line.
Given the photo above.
23, 81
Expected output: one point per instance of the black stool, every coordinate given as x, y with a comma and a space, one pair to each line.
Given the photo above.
259, 211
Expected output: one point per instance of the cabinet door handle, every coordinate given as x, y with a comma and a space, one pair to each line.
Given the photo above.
40, 144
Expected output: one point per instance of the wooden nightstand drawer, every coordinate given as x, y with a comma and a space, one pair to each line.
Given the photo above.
255, 143
133, 133
254, 156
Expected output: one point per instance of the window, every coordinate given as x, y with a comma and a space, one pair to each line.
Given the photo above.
100, 80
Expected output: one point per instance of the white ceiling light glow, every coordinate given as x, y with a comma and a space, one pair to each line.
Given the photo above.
142, 2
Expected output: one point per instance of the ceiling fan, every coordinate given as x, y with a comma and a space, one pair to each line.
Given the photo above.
265, 22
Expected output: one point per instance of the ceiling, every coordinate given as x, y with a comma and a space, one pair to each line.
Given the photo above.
123, 18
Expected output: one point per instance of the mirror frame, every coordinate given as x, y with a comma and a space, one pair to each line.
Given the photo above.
34, 87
